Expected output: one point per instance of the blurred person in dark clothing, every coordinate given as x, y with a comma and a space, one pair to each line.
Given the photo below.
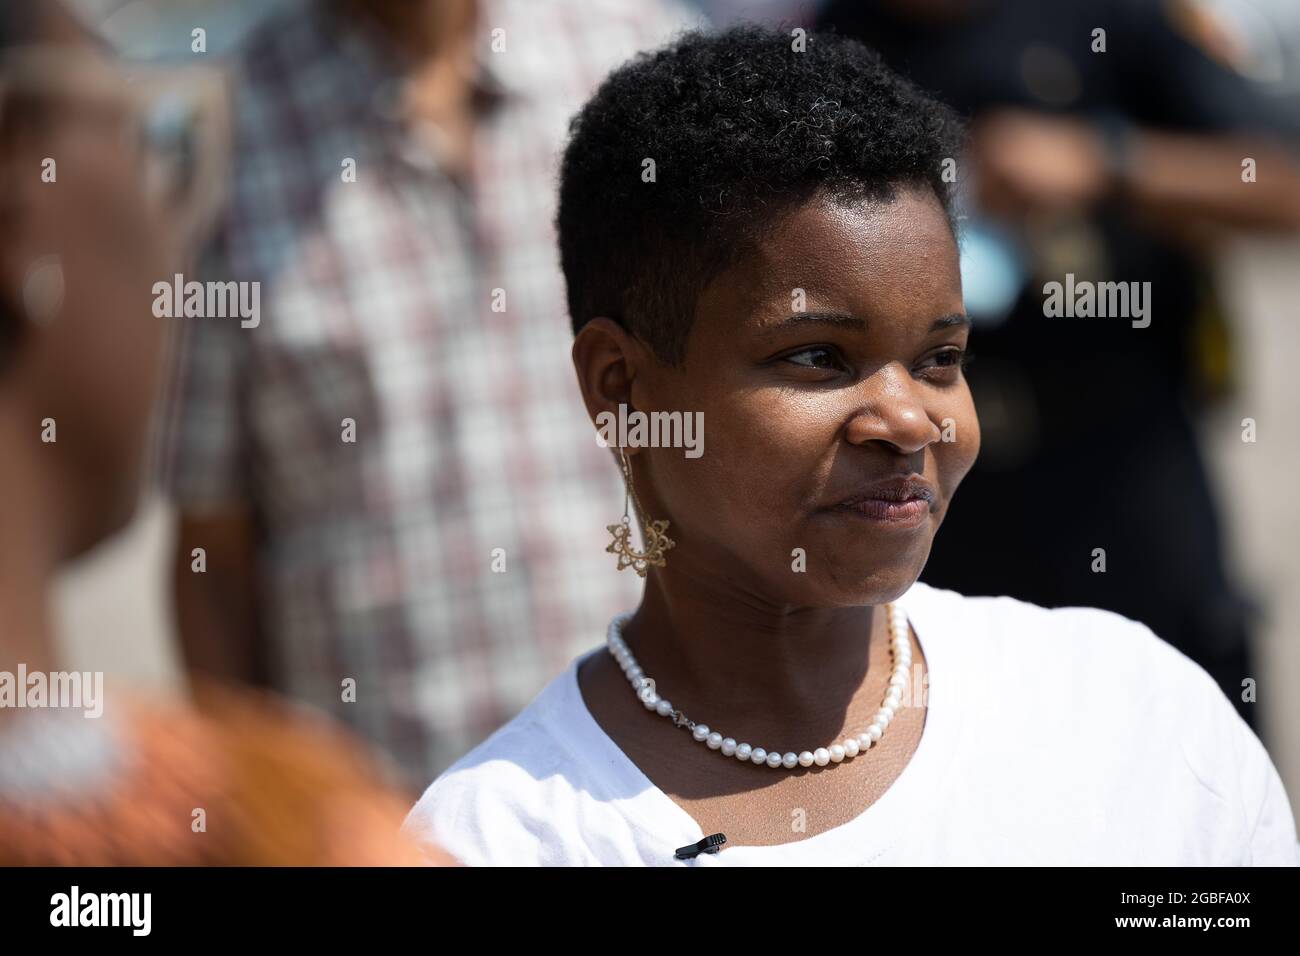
90, 776
1109, 141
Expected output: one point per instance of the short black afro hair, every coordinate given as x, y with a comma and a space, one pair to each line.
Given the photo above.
741, 127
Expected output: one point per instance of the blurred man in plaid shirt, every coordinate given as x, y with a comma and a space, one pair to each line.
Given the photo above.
380, 471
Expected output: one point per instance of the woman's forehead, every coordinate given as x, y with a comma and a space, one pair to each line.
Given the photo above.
828, 250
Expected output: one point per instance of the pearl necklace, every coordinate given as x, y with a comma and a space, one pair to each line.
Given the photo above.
900, 651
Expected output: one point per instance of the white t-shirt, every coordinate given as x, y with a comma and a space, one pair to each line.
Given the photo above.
1053, 737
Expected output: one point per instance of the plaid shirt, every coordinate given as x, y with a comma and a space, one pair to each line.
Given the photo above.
377, 301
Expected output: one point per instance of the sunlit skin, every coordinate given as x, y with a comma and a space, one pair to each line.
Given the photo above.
801, 411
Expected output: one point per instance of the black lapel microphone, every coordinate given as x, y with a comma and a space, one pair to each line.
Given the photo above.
710, 844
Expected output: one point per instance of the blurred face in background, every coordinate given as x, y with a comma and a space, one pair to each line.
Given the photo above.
435, 40
78, 259
423, 27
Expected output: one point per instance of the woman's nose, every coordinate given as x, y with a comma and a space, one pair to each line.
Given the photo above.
891, 410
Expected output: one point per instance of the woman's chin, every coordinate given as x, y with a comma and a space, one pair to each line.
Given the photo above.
856, 584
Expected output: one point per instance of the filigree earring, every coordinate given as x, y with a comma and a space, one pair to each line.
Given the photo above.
652, 532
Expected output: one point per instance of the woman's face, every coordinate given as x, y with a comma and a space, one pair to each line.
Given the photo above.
91, 364
825, 364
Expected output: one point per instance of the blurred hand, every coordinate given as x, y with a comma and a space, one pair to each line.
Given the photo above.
1030, 162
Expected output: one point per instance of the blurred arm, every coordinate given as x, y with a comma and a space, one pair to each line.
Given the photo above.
204, 468
217, 608
1198, 180
1029, 162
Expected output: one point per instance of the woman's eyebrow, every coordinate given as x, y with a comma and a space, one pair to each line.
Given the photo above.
846, 320
948, 321
841, 320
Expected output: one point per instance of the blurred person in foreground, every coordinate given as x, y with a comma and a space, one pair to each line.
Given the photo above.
793, 279
401, 525
124, 779
1108, 142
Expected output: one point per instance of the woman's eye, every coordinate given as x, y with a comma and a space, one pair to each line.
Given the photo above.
816, 358
947, 359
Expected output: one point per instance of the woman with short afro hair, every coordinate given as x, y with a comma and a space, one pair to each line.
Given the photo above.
756, 228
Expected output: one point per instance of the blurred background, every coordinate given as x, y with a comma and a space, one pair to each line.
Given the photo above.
1242, 364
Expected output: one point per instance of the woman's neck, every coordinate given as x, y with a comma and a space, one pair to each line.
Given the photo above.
737, 661
28, 557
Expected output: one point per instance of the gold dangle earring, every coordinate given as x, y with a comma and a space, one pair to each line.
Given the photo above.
652, 532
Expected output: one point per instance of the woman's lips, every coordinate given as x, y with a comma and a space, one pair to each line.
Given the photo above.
899, 514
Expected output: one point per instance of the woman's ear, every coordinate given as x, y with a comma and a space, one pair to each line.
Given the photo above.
608, 360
